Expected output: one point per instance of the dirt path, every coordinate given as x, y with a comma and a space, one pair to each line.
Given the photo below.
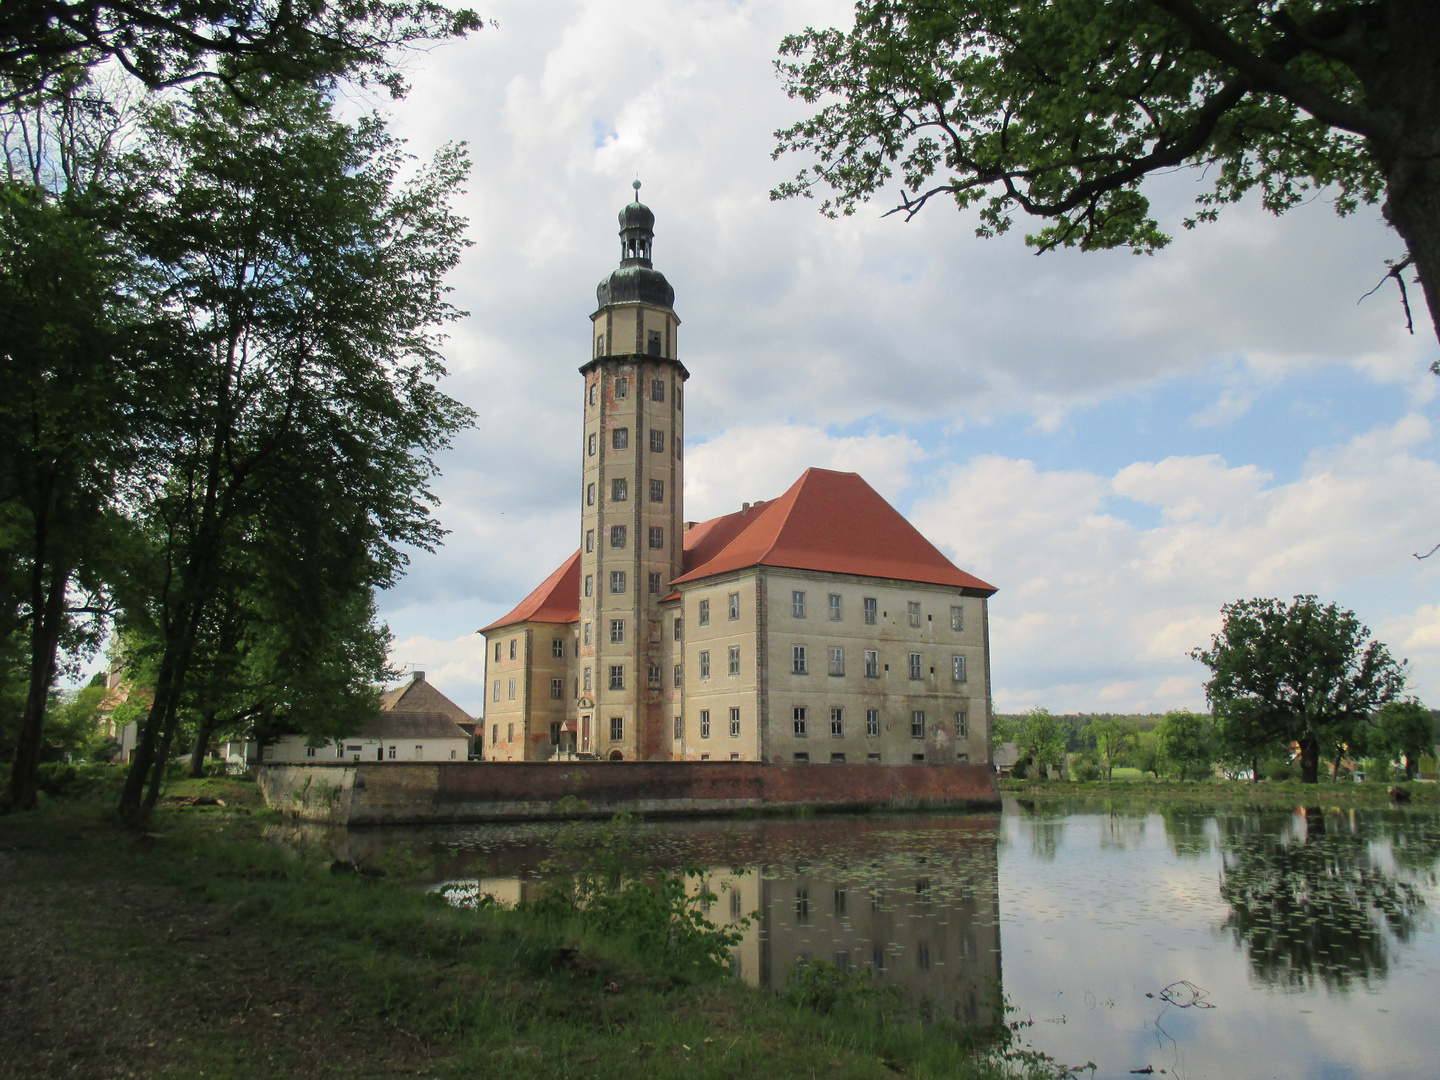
106, 975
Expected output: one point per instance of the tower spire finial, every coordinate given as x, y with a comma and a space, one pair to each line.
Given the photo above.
636, 186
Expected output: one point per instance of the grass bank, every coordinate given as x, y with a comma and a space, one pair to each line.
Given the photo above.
202, 949
1266, 793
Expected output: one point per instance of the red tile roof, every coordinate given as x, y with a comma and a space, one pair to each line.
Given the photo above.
832, 522
557, 600
828, 521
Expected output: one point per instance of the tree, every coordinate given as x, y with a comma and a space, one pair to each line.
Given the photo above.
1298, 672
1183, 743
1061, 109
171, 42
1406, 730
1114, 736
309, 282
1042, 740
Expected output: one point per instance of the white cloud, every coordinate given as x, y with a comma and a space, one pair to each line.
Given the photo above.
1094, 609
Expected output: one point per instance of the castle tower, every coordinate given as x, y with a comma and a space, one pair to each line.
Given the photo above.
631, 510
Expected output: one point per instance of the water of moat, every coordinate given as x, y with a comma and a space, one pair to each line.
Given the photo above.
1211, 944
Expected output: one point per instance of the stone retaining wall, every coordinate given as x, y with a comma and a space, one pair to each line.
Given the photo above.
380, 793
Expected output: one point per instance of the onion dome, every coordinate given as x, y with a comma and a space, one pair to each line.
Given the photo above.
636, 280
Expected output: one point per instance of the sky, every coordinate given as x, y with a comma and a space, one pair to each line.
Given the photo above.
1120, 444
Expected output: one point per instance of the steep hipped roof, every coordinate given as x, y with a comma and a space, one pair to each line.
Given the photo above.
836, 523
418, 696
411, 725
557, 600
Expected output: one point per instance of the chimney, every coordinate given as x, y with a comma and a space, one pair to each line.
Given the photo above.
417, 676
745, 508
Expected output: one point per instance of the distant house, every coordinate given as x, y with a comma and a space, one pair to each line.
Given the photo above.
416, 723
1006, 756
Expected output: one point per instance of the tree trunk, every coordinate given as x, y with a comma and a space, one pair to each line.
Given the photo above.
1254, 770
1408, 91
1309, 760
202, 743
47, 615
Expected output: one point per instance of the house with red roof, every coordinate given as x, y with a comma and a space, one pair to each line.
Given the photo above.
819, 626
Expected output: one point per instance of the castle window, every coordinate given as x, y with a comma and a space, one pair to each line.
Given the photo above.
657, 537
655, 582
554, 733
704, 723
617, 631
590, 533
652, 346
510, 691
619, 489
512, 648
589, 494
870, 610
657, 441
657, 386
657, 491
587, 680
957, 668
957, 617
589, 584
799, 721
802, 758
837, 722
653, 674
497, 652
837, 660
617, 676
797, 604
962, 725
704, 663
309, 751
679, 628
679, 728
734, 659
600, 349
917, 724
834, 607
617, 582
916, 671
590, 444
704, 612
587, 633
872, 722
734, 601
617, 723
913, 607
734, 723
872, 663
510, 732
617, 536
557, 689
797, 661
557, 648
679, 675
838, 758
496, 696
622, 386
620, 438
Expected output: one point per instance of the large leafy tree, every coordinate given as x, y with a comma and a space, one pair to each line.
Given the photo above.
1305, 673
1061, 108
170, 42
1185, 743
1042, 740
1114, 738
309, 278
1407, 730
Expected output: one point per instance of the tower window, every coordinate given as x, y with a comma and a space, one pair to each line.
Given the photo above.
617, 536
872, 663
915, 666
798, 665
872, 722
680, 728
620, 438
652, 346
617, 723
704, 613
587, 633
599, 348
622, 386
657, 537
657, 441
590, 445
617, 676
654, 675
557, 689
589, 494
617, 631
589, 538
871, 610
679, 628
587, 680
657, 491
917, 724
655, 582
797, 604
599, 351
962, 726
957, 617
679, 675
657, 386
957, 668
913, 607
617, 582
589, 584
557, 648
619, 489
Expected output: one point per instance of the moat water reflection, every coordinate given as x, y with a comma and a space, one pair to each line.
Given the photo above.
1208, 944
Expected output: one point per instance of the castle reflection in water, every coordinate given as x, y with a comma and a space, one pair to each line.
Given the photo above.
914, 901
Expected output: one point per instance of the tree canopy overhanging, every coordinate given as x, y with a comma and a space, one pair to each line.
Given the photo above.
1062, 108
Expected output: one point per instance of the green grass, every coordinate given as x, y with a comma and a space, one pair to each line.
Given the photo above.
1138, 788
488, 992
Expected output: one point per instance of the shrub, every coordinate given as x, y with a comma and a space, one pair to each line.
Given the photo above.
825, 987
1086, 771
1278, 771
